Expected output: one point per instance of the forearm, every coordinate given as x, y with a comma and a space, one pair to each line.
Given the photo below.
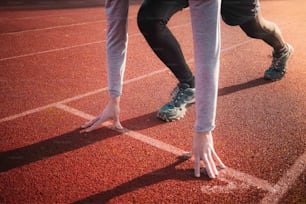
206, 35
116, 45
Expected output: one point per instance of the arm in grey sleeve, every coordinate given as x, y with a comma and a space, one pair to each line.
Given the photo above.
116, 44
206, 35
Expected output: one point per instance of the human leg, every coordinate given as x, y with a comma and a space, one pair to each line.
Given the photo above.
247, 14
153, 17
260, 28
270, 33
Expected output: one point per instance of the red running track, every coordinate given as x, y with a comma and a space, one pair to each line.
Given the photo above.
53, 79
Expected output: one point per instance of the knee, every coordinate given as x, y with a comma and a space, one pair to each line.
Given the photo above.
253, 34
147, 23
141, 19
258, 29
143, 22
251, 29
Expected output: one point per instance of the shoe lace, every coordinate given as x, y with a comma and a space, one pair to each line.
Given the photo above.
176, 94
278, 62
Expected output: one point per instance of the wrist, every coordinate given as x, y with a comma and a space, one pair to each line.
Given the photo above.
115, 100
202, 134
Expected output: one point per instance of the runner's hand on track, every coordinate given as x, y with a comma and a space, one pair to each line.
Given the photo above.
111, 112
203, 149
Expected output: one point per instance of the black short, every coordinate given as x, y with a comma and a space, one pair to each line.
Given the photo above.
237, 12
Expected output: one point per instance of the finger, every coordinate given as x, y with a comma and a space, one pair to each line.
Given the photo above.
217, 158
197, 166
118, 125
208, 167
212, 164
187, 155
89, 123
98, 122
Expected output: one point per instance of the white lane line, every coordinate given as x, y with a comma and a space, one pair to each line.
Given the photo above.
12, 117
236, 45
62, 26
251, 180
65, 48
59, 49
155, 143
288, 179
51, 50
25, 113
35, 110
101, 41
143, 138
52, 27
231, 185
70, 25
67, 100
66, 14
75, 111
245, 178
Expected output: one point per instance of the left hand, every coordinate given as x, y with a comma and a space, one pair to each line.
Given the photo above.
203, 149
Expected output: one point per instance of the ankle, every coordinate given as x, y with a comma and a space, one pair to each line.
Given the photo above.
279, 51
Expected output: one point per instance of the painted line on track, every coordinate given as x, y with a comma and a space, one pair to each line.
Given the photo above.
52, 27
15, 116
59, 49
229, 172
51, 50
59, 26
251, 180
31, 17
25, 113
68, 47
133, 134
71, 14
78, 97
288, 179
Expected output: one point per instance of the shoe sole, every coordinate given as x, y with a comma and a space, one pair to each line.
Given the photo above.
163, 117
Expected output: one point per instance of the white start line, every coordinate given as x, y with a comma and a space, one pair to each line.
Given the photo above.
234, 179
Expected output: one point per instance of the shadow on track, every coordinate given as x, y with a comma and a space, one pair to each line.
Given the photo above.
68, 142
169, 172
239, 87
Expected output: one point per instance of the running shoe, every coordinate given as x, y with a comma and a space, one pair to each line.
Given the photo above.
278, 67
182, 97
